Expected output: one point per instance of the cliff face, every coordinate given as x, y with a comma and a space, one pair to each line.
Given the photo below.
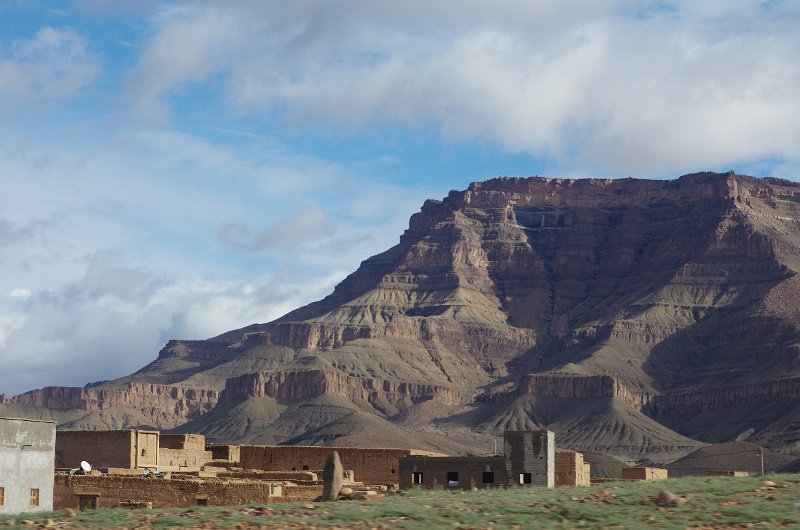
645, 298
300, 385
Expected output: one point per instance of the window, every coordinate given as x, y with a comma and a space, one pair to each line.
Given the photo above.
34, 496
305, 468
87, 502
416, 477
2, 496
488, 477
526, 478
452, 478
202, 502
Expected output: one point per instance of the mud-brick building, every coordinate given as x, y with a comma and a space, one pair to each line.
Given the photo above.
370, 466
571, 470
27, 453
124, 449
529, 460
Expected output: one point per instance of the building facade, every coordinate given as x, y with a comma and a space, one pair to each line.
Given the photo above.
27, 457
529, 460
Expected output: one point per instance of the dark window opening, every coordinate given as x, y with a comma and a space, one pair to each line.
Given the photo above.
452, 478
392, 471
488, 477
202, 502
87, 502
526, 478
416, 477
305, 468
2, 496
34, 496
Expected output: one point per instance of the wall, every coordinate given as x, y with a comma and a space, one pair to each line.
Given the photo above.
435, 472
182, 452
644, 473
371, 466
227, 452
124, 449
530, 452
27, 454
571, 470
110, 490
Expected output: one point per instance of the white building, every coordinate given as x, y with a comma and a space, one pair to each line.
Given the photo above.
27, 459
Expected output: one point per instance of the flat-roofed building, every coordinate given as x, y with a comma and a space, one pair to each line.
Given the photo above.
125, 449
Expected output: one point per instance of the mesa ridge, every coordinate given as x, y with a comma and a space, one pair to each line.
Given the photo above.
639, 315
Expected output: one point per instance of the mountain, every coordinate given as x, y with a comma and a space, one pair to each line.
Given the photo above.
635, 317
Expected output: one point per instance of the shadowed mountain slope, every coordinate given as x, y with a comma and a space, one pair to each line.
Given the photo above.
630, 316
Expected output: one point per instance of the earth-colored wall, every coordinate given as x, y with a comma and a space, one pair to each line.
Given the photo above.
123, 449
571, 470
182, 452
110, 490
27, 452
644, 473
371, 466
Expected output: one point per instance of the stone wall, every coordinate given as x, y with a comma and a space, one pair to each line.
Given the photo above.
110, 490
26, 465
571, 470
123, 449
371, 466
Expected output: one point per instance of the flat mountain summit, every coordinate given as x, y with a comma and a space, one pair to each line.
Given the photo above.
632, 317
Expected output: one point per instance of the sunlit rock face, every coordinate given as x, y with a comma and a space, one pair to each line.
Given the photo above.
623, 314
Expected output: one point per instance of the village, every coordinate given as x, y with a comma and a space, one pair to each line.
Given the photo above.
43, 469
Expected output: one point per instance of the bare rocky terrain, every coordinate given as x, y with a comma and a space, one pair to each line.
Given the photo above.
632, 317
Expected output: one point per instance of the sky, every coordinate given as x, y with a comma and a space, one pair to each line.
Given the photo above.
177, 169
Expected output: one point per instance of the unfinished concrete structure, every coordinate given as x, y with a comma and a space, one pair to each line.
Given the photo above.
371, 466
27, 455
529, 460
530, 457
125, 449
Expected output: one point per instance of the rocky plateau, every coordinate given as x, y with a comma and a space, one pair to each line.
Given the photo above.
633, 317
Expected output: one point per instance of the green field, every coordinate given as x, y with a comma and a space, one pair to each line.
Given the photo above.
710, 503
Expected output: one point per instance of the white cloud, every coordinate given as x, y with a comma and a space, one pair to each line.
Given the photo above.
114, 319
625, 86
54, 64
109, 245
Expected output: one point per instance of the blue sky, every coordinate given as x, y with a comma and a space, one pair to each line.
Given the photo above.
178, 169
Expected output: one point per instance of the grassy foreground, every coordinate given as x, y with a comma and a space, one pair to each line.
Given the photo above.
710, 503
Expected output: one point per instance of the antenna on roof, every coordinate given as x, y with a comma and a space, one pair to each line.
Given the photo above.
85, 466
